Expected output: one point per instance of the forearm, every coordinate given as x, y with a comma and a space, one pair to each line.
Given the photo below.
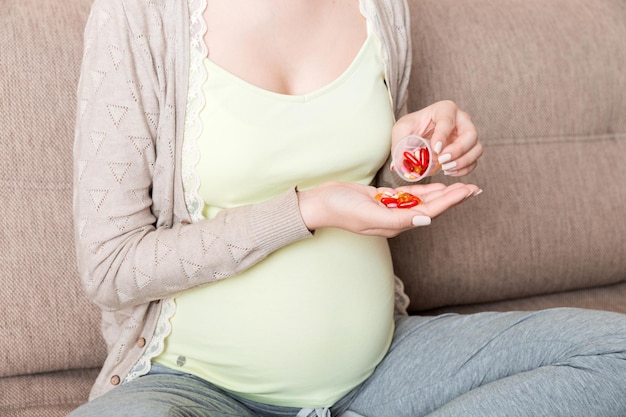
146, 263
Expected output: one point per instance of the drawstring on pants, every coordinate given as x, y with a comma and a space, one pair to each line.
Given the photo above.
324, 412
314, 412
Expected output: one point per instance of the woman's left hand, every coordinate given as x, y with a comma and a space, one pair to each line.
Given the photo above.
353, 207
451, 132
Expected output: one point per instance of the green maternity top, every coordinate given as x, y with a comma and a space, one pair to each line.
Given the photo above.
311, 321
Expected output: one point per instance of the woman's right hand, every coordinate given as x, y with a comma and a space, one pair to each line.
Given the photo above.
352, 207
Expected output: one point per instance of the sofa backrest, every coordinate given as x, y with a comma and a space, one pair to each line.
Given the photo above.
545, 83
46, 323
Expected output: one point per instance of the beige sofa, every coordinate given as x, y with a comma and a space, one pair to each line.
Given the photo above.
544, 80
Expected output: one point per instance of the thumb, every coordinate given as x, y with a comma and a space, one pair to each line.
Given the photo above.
421, 221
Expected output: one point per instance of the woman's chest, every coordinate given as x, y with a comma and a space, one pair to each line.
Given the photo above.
288, 47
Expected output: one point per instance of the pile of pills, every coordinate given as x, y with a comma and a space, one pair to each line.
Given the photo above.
401, 199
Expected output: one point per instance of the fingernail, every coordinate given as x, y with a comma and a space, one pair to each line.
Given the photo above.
449, 172
444, 158
438, 147
448, 166
479, 192
421, 221
469, 195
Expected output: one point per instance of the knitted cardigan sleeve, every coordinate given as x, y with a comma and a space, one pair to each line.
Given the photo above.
130, 249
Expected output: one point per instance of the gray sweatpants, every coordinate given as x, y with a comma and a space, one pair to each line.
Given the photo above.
559, 362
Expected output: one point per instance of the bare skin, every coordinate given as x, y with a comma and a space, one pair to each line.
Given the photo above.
285, 46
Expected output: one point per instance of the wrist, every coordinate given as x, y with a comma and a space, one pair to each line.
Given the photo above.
310, 211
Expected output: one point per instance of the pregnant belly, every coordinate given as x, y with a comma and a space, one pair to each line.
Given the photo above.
299, 329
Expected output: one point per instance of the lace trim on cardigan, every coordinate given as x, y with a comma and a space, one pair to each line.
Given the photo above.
191, 182
368, 10
195, 103
157, 343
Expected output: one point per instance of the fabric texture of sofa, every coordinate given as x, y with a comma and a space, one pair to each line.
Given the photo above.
545, 82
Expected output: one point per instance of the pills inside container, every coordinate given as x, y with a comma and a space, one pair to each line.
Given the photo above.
414, 159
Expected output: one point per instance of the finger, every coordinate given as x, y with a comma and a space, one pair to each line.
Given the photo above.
395, 221
464, 161
462, 172
415, 123
426, 197
435, 206
441, 132
444, 116
465, 140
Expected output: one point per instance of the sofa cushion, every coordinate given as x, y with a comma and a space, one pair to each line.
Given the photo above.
52, 394
47, 323
610, 298
546, 86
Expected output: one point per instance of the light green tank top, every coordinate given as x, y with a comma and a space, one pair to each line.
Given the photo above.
311, 321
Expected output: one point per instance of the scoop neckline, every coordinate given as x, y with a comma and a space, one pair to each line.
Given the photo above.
295, 97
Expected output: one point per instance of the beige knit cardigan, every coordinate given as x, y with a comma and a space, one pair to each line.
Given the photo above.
136, 244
